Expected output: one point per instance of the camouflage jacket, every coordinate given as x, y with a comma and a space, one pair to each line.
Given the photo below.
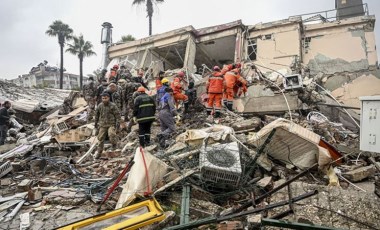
129, 89
107, 115
117, 99
89, 90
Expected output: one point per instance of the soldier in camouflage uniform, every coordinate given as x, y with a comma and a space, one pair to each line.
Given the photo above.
65, 108
89, 93
107, 117
116, 97
100, 90
129, 89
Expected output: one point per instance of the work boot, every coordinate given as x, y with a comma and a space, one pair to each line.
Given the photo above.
186, 105
147, 139
142, 140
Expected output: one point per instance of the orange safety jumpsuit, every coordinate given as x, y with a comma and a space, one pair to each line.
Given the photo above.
158, 84
231, 78
215, 87
177, 91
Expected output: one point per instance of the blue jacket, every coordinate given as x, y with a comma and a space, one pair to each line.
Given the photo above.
167, 104
160, 93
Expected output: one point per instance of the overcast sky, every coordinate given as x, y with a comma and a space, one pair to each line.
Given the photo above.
24, 44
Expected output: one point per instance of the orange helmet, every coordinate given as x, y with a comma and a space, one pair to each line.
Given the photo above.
141, 89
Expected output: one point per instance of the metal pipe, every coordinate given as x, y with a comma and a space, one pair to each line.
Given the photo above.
278, 188
214, 219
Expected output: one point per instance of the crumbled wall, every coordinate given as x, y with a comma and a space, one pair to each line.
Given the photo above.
336, 49
281, 49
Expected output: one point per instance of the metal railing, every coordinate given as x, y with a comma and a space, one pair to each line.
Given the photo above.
332, 15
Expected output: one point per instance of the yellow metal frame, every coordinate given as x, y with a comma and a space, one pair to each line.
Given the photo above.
155, 214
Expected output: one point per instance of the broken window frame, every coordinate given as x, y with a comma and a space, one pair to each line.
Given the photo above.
252, 45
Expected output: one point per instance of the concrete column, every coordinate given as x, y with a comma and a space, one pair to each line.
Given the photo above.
191, 50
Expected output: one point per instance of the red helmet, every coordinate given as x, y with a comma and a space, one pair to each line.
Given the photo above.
216, 68
180, 74
116, 66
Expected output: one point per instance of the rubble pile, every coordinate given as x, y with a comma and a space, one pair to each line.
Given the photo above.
269, 160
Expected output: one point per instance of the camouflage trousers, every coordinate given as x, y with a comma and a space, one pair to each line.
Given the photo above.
103, 132
91, 107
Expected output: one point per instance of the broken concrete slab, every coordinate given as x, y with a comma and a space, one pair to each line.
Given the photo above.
267, 105
265, 182
24, 185
66, 197
249, 125
360, 173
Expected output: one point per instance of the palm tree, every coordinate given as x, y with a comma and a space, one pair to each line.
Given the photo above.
149, 9
127, 38
83, 49
63, 32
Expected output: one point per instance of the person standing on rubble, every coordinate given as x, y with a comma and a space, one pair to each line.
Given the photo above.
4, 121
214, 88
144, 114
129, 97
115, 97
167, 112
231, 78
89, 93
100, 90
177, 87
162, 90
112, 77
107, 118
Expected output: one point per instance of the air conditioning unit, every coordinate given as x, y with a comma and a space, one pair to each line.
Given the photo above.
5, 168
220, 163
61, 126
292, 82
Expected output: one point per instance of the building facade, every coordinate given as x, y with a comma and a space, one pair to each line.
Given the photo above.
48, 77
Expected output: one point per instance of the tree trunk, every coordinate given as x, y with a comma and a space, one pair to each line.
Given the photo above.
61, 69
81, 73
150, 25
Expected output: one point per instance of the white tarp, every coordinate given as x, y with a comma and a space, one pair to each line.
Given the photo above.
137, 179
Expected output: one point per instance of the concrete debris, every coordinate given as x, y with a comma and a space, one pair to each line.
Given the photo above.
285, 139
360, 173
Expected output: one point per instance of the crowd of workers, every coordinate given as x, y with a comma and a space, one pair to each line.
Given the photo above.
119, 100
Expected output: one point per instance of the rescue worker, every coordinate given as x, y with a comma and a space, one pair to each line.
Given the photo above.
100, 90
177, 87
191, 93
4, 121
115, 96
215, 88
167, 112
121, 73
143, 113
159, 79
89, 93
161, 92
65, 108
107, 117
140, 79
112, 77
102, 76
129, 90
231, 78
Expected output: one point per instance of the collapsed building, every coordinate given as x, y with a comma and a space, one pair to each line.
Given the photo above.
288, 156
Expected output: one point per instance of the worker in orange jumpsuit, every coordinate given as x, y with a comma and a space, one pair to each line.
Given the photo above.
177, 87
215, 87
231, 78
